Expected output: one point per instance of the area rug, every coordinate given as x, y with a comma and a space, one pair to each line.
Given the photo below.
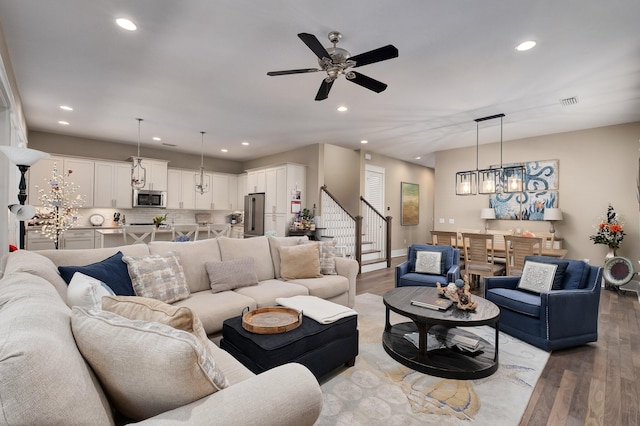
380, 391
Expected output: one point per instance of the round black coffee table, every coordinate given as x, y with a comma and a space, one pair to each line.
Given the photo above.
437, 353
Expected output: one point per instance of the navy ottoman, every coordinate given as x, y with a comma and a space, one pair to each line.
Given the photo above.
319, 347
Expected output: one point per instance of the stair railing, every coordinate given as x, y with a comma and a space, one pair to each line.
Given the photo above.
376, 230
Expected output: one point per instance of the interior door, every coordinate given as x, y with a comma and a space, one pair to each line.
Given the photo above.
374, 187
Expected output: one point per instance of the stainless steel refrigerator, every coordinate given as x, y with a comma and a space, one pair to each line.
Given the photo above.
254, 214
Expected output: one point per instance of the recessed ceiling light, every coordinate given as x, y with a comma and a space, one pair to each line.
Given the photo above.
363, 142
416, 158
526, 45
64, 123
127, 24
224, 150
342, 108
155, 138
245, 143
66, 108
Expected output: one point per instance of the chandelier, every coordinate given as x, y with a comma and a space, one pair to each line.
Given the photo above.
138, 173
202, 186
507, 179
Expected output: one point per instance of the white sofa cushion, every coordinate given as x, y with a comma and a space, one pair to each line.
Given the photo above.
214, 308
36, 264
146, 367
267, 291
256, 247
193, 256
44, 379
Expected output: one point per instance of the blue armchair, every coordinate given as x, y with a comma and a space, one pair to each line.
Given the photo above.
554, 319
406, 274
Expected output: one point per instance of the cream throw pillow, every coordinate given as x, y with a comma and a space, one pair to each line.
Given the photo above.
146, 368
301, 261
158, 276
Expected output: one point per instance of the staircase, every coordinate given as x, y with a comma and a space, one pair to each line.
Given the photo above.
366, 238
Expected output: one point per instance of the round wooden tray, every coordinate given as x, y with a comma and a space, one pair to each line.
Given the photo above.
271, 320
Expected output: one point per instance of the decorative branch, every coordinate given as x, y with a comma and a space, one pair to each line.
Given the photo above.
61, 202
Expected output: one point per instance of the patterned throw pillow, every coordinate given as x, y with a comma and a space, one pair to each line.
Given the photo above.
327, 258
231, 274
145, 367
429, 262
537, 277
158, 276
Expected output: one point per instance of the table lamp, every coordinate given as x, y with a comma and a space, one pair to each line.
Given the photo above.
552, 214
487, 214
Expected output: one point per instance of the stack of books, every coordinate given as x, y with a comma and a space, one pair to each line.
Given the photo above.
431, 302
465, 344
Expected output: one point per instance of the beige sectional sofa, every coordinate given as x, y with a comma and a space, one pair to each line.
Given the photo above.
46, 380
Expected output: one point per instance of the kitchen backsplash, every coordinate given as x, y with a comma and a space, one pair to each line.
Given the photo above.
146, 215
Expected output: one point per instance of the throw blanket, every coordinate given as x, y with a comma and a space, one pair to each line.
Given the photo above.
321, 310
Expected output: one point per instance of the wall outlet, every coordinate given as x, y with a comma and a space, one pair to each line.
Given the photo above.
405, 241
441, 220
451, 221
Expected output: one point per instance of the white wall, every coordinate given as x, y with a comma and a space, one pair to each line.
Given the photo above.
596, 167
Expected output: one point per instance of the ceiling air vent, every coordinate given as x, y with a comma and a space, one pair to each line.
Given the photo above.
569, 101
168, 144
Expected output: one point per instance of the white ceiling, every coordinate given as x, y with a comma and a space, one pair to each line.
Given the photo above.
200, 65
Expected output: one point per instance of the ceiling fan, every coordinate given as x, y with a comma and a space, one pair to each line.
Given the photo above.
336, 61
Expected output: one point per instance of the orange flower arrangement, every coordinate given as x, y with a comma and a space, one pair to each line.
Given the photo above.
610, 230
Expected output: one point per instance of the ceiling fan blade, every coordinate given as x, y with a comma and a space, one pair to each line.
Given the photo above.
368, 82
380, 54
300, 71
323, 92
314, 44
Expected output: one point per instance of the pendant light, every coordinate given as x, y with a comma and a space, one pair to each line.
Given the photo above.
490, 178
201, 186
467, 182
138, 173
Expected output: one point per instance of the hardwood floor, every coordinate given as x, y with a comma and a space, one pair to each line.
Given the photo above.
594, 384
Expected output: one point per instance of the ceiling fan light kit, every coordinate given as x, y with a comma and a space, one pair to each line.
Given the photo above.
336, 61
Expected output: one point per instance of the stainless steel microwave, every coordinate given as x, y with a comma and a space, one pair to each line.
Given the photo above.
146, 198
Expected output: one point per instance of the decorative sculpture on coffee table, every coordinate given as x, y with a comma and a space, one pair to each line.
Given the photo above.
62, 202
459, 293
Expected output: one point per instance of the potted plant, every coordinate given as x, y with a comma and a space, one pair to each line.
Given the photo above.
610, 232
158, 220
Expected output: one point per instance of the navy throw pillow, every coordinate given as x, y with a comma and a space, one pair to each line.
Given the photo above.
560, 270
112, 271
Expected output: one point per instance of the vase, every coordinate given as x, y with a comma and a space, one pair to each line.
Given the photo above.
611, 253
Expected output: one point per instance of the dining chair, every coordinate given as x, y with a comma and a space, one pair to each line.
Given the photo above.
444, 238
189, 230
215, 230
517, 248
139, 233
479, 256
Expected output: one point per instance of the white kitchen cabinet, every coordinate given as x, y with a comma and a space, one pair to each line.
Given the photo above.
204, 201
36, 241
112, 186
221, 192
82, 176
181, 192
78, 239
281, 182
233, 192
256, 181
70, 239
241, 191
277, 223
156, 174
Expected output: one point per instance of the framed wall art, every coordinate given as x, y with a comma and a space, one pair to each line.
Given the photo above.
410, 203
